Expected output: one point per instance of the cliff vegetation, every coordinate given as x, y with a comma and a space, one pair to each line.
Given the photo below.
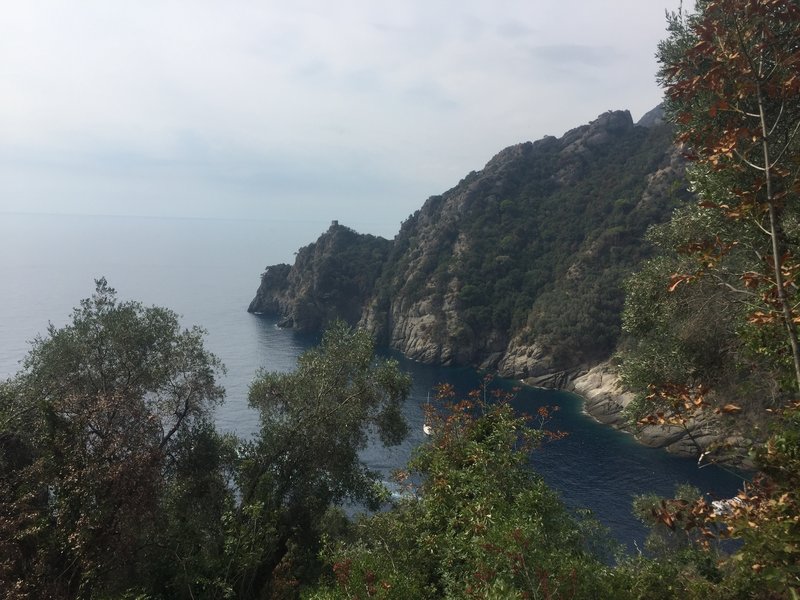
518, 268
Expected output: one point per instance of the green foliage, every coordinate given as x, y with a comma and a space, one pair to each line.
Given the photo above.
115, 484
696, 333
478, 523
337, 393
105, 494
191, 561
668, 539
726, 321
118, 349
731, 76
102, 426
717, 310
314, 422
769, 520
540, 241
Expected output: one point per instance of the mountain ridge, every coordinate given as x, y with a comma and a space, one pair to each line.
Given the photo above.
517, 268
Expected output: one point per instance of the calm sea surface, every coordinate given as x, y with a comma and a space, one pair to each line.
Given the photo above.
208, 271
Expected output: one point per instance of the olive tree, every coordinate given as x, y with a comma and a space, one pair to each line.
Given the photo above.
94, 428
305, 460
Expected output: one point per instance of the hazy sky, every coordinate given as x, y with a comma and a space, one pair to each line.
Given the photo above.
354, 110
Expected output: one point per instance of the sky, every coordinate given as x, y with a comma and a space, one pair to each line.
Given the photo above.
356, 110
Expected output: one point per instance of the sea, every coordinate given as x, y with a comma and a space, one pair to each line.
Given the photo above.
208, 270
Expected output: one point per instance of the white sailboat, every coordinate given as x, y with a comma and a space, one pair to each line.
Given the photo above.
427, 428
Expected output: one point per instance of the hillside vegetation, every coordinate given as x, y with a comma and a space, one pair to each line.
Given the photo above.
519, 267
114, 482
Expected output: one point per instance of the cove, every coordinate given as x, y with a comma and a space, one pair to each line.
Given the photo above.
208, 270
594, 467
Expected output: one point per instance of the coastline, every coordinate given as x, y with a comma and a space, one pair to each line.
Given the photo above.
605, 400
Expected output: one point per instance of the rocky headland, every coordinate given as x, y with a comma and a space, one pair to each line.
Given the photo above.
518, 269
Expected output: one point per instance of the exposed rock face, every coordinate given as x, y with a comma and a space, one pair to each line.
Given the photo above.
652, 118
426, 317
604, 396
273, 295
331, 278
518, 268
525, 360
605, 399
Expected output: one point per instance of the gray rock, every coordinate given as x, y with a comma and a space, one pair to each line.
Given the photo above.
653, 117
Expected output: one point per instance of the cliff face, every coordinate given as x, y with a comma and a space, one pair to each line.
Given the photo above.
518, 268
605, 399
331, 278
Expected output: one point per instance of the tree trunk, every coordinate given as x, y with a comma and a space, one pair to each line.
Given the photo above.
778, 245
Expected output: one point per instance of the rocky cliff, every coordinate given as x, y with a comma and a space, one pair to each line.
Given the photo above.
605, 399
332, 278
518, 268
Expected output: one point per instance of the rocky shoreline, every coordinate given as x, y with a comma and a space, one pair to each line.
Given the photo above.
605, 401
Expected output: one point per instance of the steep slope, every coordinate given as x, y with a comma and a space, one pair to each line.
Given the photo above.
517, 268
331, 278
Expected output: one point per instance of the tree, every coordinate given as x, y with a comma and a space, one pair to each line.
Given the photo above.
305, 460
123, 350
101, 415
732, 78
689, 350
727, 336
474, 521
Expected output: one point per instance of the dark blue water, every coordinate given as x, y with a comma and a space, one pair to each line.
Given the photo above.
208, 271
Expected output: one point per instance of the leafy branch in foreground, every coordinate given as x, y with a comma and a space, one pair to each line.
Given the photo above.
475, 521
732, 78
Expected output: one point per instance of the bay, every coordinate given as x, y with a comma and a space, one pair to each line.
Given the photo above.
208, 271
